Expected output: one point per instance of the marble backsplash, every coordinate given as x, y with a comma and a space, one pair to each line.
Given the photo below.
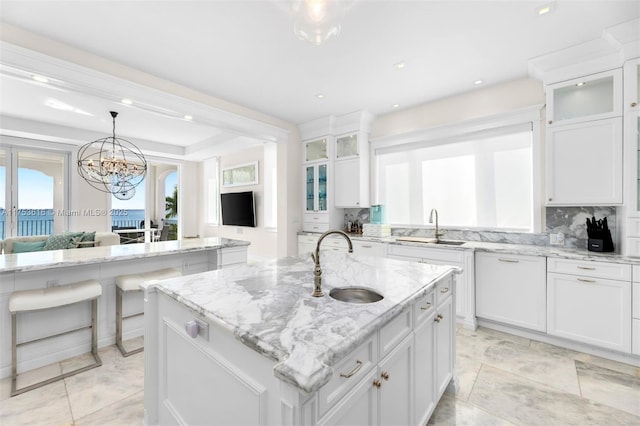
570, 221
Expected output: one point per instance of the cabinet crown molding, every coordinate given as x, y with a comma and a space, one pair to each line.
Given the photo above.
616, 45
333, 126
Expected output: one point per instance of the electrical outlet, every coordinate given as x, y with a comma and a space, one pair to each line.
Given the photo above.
556, 239
53, 283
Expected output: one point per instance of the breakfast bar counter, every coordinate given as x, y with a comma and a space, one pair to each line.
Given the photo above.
42, 269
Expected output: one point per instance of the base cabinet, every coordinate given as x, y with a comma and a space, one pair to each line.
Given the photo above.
511, 289
465, 305
395, 377
590, 302
444, 337
590, 310
358, 407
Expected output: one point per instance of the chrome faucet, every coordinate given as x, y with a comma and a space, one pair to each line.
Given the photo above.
317, 271
438, 233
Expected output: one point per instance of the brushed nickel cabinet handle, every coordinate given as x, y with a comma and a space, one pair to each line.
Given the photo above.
366, 246
426, 307
586, 281
634, 104
354, 371
588, 268
377, 384
385, 375
509, 260
445, 290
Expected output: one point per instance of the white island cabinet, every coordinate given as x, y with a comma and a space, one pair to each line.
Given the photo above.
249, 345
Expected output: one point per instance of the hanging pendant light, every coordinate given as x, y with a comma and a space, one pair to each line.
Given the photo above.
316, 21
112, 165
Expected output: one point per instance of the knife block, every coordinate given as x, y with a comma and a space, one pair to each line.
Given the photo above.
602, 244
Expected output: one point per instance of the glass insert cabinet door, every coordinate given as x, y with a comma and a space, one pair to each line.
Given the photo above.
316, 188
316, 150
347, 146
591, 98
322, 187
310, 184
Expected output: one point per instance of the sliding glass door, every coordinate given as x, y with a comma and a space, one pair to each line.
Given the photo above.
34, 192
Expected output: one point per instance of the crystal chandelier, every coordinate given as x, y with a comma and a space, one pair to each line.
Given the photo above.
316, 21
112, 165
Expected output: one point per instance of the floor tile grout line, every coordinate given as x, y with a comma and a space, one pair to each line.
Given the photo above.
482, 408
113, 403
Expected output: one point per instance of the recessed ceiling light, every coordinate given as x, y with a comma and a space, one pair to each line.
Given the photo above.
400, 65
396, 105
477, 82
546, 9
188, 117
40, 78
126, 101
320, 96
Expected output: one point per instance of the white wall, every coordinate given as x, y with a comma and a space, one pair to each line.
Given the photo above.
492, 100
264, 242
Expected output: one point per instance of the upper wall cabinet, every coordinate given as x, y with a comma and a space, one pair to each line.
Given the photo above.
351, 176
593, 97
584, 152
632, 156
316, 150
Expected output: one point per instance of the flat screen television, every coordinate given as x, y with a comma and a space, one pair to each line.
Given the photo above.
238, 209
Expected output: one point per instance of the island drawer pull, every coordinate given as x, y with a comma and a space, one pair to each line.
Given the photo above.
366, 246
509, 260
586, 281
445, 290
588, 268
426, 307
385, 375
354, 371
377, 384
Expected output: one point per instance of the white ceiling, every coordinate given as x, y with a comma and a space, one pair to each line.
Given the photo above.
245, 52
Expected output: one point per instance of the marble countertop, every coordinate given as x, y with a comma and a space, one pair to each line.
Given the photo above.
268, 306
18, 262
522, 249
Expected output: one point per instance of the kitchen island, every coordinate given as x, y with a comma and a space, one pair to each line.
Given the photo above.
250, 345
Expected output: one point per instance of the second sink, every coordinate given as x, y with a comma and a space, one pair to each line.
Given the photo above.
355, 295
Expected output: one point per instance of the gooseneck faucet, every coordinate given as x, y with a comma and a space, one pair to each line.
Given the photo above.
438, 233
317, 271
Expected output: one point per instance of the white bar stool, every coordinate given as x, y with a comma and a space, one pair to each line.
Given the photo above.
131, 282
47, 298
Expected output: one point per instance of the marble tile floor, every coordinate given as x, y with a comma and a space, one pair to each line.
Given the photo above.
504, 380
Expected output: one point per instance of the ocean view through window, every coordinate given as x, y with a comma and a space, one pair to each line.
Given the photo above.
40, 180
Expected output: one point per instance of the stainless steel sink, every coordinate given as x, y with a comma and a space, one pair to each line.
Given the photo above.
355, 295
451, 243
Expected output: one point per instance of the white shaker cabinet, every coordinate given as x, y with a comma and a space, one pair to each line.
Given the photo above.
369, 248
584, 146
584, 163
465, 288
632, 152
351, 171
590, 302
635, 311
511, 289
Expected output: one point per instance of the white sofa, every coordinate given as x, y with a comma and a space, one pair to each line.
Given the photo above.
102, 239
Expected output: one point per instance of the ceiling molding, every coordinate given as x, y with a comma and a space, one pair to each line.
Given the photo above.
19, 62
38, 130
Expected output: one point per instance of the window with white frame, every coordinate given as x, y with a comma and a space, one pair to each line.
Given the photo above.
480, 180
